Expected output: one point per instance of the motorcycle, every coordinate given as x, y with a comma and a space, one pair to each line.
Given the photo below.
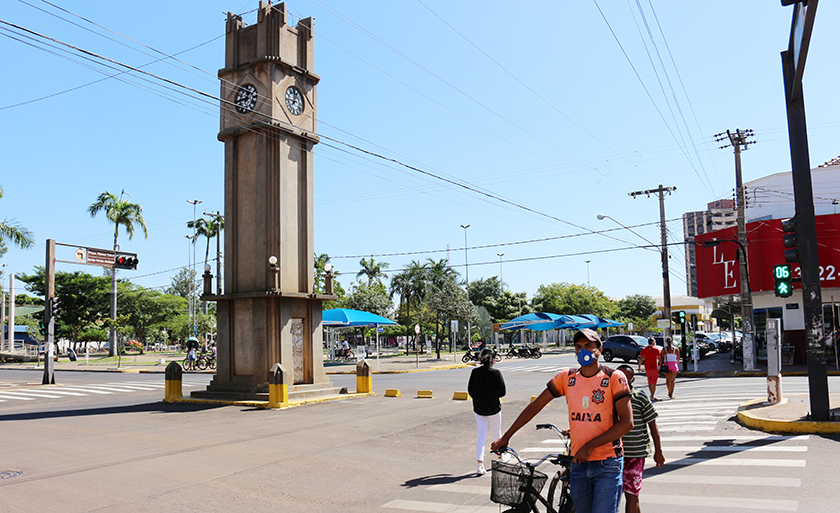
474, 356
524, 352
344, 354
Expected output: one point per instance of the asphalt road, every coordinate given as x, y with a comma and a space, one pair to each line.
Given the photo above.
104, 442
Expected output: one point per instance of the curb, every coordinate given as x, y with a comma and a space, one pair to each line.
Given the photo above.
446, 367
264, 404
784, 426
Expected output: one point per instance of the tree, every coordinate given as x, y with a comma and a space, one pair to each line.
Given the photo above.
507, 306
148, 311
125, 214
83, 299
368, 297
207, 228
11, 230
183, 284
410, 284
446, 301
637, 306
571, 299
485, 288
372, 269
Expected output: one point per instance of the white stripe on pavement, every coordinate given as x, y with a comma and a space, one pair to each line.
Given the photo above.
743, 438
458, 488
736, 448
672, 478
18, 398
686, 428
438, 507
721, 502
737, 462
33, 393
130, 387
61, 392
77, 389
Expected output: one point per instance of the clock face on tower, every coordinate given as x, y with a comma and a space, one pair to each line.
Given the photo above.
246, 99
294, 101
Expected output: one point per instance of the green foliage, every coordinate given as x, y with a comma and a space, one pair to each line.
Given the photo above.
32, 324
11, 230
637, 306
368, 297
120, 212
572, 299
485, 289
207, 228
183, 284
320, 281
374, 271
507, 306
148, 311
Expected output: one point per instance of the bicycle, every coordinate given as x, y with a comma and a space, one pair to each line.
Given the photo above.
206, 361
519, 485
188, 364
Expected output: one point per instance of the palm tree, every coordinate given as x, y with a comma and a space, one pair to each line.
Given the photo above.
409, 283
14, 232
208, 229
125, 214
372, 269
440, 272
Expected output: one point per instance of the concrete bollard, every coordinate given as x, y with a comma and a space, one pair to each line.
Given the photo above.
364, 379
173, 387
392, 392
278, 386
424, 394
461, 396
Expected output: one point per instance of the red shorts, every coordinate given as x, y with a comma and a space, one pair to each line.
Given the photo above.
633, 469
652, 374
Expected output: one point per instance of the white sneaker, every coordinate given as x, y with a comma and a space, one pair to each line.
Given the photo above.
481, 471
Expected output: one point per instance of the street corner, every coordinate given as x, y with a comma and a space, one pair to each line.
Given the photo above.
788, 416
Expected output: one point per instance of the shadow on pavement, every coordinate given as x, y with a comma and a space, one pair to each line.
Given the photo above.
438, 479
158, 407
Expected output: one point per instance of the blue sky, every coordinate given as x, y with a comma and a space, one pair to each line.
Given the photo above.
545, 113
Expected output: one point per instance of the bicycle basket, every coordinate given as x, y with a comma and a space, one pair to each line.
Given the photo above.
508, 479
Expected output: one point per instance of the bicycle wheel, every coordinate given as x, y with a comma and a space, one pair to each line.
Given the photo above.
212, 363
558, 495
201, 363
186, 364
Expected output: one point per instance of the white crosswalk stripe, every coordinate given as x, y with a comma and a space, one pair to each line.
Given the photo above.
63, 392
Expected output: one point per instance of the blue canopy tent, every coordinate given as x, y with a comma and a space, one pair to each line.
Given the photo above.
600, 322
538, 321
346, 318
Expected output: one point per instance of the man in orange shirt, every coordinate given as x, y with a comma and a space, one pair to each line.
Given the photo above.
598, 399
650, 358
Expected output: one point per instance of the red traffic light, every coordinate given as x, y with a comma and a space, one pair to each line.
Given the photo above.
125, 261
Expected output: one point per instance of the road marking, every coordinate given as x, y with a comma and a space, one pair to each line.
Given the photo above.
686, 428
451, 487
76, 389
672, 478
736, 448
62, 392
130, 387
18, 398
92, 388
34, 393
439, 507
738, 462
687, 423
705, 416
743, 438
720, 502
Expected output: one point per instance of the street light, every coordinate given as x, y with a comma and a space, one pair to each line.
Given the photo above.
587, 272
501, 280
467, 266
666, 279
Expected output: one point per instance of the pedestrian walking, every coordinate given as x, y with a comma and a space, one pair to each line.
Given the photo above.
486, 387
650, 358
671, 358
598, 399
637, 443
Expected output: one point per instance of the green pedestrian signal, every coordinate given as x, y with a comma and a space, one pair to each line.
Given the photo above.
682, 316
783, 282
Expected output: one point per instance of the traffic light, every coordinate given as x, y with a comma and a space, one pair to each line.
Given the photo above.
125, 261
55, 303
42, 329
783, 286
682, 316
790, 240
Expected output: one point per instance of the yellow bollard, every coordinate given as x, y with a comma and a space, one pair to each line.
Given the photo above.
392, 392
364, 379
278, 389
424, 394
461, 396
173, 389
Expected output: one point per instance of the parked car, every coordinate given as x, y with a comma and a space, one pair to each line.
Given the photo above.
626, 347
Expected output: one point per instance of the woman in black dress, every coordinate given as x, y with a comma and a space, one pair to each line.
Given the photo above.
486, 387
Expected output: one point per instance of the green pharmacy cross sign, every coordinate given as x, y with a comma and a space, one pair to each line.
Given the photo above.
783, 282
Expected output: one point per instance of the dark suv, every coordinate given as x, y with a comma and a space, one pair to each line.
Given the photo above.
626, 347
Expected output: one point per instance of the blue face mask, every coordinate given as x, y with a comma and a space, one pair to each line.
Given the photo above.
585, 357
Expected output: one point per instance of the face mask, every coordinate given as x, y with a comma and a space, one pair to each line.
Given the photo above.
585, 357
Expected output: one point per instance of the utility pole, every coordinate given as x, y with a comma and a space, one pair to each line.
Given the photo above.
191, 273
666, 280
738, 140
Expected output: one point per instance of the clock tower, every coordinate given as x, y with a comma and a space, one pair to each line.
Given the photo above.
269, 312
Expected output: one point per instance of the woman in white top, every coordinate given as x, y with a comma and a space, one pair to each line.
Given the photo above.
671, 358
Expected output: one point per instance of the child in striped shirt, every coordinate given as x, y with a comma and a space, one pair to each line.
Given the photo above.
637, 443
